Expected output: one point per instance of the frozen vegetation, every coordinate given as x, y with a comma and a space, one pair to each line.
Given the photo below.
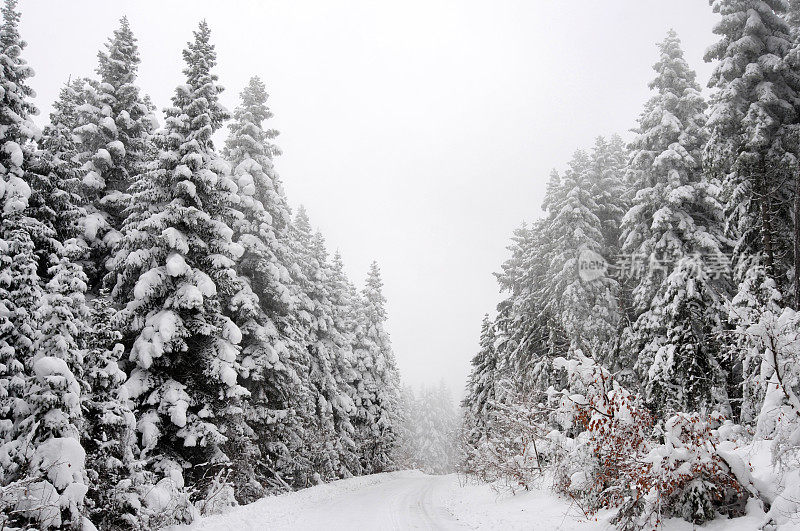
179, 348
645, 356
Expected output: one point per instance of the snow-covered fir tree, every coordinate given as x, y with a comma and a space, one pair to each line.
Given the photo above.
56, 183
427, 432
750, 127
176, 267
481, 387
20, 289
115, 473
378, 387
114, 126
319, 458
675, 211
588, 311
756, 296
607, 178
343, 298
675, 216
680, 362
272, 361
53, 461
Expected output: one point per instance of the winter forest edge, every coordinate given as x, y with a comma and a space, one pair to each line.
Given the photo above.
666, 385
174, 341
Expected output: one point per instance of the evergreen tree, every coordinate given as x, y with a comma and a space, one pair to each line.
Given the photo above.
379, 385
434, 430
757, 295
272, 367
342, 299
114, 128
19, 295
20, 290
522, 336
176, 276
321, 439
675, 216
55, 198
752, 109
481, 390
587, 310
109, 434
675, 211
51, 444
405, 452
264, 225
792, 61
680, 360
607, 178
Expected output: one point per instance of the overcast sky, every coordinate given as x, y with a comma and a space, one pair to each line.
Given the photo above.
416, 133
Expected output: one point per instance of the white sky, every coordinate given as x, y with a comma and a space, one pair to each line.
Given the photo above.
417, 133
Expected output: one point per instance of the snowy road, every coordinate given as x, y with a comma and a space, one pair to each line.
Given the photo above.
404, 500
412, 500
401, 503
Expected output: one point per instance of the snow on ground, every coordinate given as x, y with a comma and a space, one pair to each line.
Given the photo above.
413, 500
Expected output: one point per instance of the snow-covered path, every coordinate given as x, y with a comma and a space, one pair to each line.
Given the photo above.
413, 500
400, 503
399, 500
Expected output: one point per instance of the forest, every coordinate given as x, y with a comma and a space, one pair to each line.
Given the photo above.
645, 358
174, 340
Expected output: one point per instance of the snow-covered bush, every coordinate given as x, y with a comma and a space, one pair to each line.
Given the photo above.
599, 425
612, 455
681, 476
511, 454
776, 335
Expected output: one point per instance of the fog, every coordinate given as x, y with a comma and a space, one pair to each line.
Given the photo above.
418, 134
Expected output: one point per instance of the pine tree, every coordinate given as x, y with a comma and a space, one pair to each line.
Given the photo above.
587, 310
114, 128
318, 334
44, 464
607, 178
109, 435
271, 366
680, 362
675, 211
20, 289
321, 439
756, 295
343, 315
19, 295
379, 386
264, 225
52, 441
481, 389
434, 430
55, 198
522, 339
176, 276
792, 61
675, 215
405, 452
752, 110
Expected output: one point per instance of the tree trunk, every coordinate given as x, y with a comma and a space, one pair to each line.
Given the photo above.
797, 243
766, 227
